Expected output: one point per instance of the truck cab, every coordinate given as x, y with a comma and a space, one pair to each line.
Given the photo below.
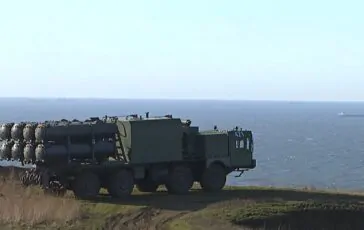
232, 148
224, 151
241, 148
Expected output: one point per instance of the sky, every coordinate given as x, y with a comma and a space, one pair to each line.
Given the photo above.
234, 50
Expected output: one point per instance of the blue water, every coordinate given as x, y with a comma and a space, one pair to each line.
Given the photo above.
296, 144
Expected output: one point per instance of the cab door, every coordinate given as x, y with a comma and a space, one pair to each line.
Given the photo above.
241, 148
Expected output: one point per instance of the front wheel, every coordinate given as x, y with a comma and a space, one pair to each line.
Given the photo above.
213, 178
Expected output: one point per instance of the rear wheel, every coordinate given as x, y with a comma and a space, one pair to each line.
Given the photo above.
55, 189
213, 178
121, 184
53, 184
86, 185
180, 180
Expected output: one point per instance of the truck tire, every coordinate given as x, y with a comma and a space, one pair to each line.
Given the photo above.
86, 185
147, 186
213, 178
180, 180
121, 184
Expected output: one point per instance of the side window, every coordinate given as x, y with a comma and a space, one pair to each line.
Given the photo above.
239, 143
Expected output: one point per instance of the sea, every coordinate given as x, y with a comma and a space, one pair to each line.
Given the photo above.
297, 144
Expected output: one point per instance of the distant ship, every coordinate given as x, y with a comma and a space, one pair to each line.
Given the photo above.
342, 114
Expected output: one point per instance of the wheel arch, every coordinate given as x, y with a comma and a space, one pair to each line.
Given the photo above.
216, 162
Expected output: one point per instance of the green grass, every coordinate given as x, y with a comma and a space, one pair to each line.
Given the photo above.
250, 207
311, 215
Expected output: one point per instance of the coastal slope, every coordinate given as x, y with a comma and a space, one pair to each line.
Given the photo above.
232, 208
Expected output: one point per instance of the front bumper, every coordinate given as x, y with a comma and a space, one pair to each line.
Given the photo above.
253, 165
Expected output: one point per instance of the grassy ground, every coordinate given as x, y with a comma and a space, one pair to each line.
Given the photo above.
233, 208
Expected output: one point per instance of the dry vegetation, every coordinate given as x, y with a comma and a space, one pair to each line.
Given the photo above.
233, 208
29, 206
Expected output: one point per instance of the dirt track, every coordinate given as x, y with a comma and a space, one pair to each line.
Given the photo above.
144, 218
163, 211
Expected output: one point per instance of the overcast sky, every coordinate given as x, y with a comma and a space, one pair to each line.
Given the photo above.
290, 50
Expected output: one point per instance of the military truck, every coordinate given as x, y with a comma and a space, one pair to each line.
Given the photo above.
118, 153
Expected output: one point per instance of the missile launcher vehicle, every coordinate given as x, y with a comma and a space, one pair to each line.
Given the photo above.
118, 153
